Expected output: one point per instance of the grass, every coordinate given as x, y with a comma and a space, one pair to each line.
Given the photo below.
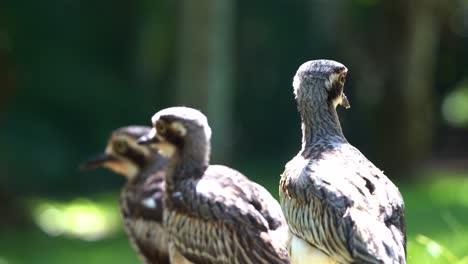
437, 219
35, 247
436, 213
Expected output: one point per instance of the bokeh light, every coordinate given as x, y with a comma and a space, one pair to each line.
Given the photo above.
455, 106
80, 218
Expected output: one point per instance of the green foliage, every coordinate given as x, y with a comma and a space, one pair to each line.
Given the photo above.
79, 69
83, 68
455, 106
436, 213
430, 251
38, 248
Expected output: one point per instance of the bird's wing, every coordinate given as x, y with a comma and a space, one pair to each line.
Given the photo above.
332, 203
391, 204
146, 193
262, 200
145, 199
231, 213
266, 204
142, 209
270, 209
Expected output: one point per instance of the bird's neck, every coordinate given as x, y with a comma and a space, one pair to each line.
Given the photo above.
188, 163
320, 123
150, 166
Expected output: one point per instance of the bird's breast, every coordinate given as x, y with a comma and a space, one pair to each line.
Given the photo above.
302, 252
315, 224
148, 233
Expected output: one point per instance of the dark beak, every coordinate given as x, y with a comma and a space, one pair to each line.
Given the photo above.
150, 138
97, 161
344, 101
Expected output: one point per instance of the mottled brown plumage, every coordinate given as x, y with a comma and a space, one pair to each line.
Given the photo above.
141, 199
214, 214
336, 202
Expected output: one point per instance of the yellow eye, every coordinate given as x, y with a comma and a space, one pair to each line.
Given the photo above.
161, 127
120, 147
342, 79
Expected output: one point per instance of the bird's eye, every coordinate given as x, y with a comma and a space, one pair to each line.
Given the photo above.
342, 79
161, 127
120, 147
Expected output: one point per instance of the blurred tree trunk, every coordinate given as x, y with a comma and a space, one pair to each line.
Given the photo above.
417, 85
6, 69
393, 70
13, 212
205, 66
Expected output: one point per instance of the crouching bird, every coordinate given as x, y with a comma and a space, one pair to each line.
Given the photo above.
339, 207
141, 199
213, 213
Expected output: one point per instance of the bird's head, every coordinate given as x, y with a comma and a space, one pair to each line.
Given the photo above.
123, 154
179, 128
321, 80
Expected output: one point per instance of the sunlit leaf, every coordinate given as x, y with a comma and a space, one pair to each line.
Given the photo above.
435, 249
3, 261
455, 106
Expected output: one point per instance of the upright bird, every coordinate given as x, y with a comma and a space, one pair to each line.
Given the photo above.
339, 207
213, 213
141, 199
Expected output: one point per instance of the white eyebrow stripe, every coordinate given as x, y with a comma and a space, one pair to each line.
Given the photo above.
331, 79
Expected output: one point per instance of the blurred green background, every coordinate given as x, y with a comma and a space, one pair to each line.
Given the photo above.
72, 71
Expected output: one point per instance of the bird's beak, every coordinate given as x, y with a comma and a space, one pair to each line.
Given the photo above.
344, 101
149, 139
97, 161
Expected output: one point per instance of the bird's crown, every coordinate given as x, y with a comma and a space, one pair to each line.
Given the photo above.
326, 74
182, 119
123, 141
320, 68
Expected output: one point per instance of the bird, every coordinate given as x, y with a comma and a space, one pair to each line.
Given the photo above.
340, 208
214, 214
141, 198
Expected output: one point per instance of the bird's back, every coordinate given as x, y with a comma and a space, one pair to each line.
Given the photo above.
338, 201
225, 218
